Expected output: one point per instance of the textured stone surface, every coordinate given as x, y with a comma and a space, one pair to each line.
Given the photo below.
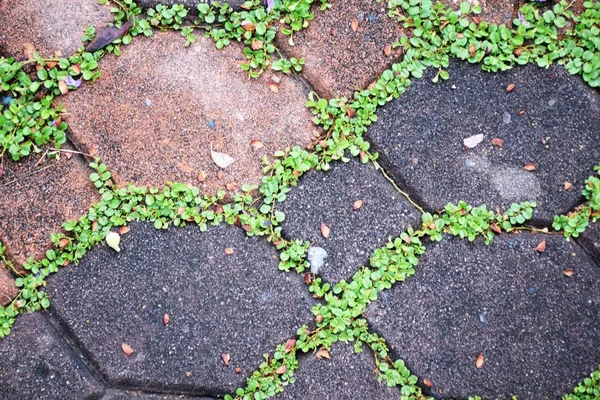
8, 290
537, 328
421, 136
590, 240
35, 363
346, 376
238, 304
37, 197
133, 395
170, 103
49, 25
329, 197
340, 60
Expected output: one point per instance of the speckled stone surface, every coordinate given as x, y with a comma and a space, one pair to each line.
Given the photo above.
49, 25
113, 394
239, 304
37, 197
8, 290
538, 329
339, 59
328, 197
347, 375
421, 137
590, 240
171, 103
35, 363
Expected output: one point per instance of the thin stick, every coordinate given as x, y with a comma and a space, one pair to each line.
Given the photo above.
27, 176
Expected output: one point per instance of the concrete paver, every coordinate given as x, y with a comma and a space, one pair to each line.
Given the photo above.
8, 290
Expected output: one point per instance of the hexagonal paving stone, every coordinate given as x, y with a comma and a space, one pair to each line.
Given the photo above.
537, 328
590, 241
421, 137
239, 304
158, 108
49, 25
339, 59
346, 376
328, 197
35, 363
37, 197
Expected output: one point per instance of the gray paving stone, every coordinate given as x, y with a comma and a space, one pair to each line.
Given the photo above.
346, 376
421, 137
328, 197
538, 329
35, 363
238, 304
191, 4
590, 240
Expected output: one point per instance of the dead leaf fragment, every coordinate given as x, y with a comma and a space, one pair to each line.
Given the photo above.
248, 25
202, 176
323, 353
166, 319
497, 142
325, 231
319, 319
568, 185
495, 227
281, 370
256, 45
226, 358
62, 86
472, 141
289, 345
479, 361
28, 50
228, 250
106, 35
273, 86
541, 247
427, 382
354, 25
568, 272
230, 186
387, 50
188, 374
510, 88
221, 159
256, 144
357, 204
472, 50
76, 69
63, 243
530, 167
124, 229
127, 349
238, 370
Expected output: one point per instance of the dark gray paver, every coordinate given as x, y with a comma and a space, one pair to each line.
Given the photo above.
35, 363
421, 137
114, 394
191, 4
538, 329
238, 304
346, 376
590, 240
328, 197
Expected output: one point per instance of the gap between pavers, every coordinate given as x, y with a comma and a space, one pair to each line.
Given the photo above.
537, 328
590, 241
238, 304
190, 4
156, 110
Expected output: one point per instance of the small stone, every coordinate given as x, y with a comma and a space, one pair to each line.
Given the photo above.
506, 118
551, 102
211, 124
531, 290
469, 163
316, 257
482, 318
148, 102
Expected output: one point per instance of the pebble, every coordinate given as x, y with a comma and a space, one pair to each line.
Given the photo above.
506, 117
483, 319
211, 124
316, 257
148, 102
551, 102
469, 163
531, 290
6, 100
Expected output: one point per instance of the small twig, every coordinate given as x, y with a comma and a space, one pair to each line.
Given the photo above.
41, 158
71, 151
27, 176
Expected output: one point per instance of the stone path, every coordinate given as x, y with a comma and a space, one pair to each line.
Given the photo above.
182, 313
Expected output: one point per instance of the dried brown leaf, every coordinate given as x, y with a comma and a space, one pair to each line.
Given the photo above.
495, 228
202, 176
319, 319
479, 361
530, 167
497, 142
63, 243
354, 25
221, 159
28, 50
568, 272
257, 144
357, 204
510, 88
541, 247
281, 370
62, 86
106, 35
387, 50
230, 186
166, 319
427, 382
127, 349
472, 50
248, 25
76, 69
289, 345
323, 353
226, 357
568, 185
273, 86
124, 229
325, 231
228, 250
237, 370
256, 45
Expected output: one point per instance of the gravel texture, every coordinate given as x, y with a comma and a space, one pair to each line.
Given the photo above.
238, 304
421, 137
537, 328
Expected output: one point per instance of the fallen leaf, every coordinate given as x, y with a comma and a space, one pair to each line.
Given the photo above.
226, 358
522, 112
112, 240
354, 25
28, 50
568, 185
518, 51
364, 158
257, 144
202, 176
228, 250
65, 263
221, 159
568, 272
472, 141
281, 370
256, 45
308, 279
106, 35
530, 167
63, 243
248, 25
273, 86
541, 247
460, 35
357, 204
76, 69
350, 112
476, 19
127, 349
497, 142
62, 86
188, 374
124, 229
387, 50
289, 345
238, 370
472, 50
325, 230
230, 186
2, 169
479, 361
495, 228
319, 319
166, 319
323, 353
510, 88
427, 382
219, 175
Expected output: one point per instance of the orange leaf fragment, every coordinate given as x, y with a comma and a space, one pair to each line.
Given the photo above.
202, 176
256, 45
479, 361
530, 167
226, 358
319, 319
541, 247
63, 243
323, 353
357, 204
497, 142
568, 185
238, 370
427, 382
350, 112
289, 345
325, 231
273, 86
228, 250
354, 25
257, 144
166, 319
387, 50
568, 272
94, 225
510, 88
248, 26
76, 69
472, 50
123, 230
281, 370
127, 349
62, 86
230, 186
495, 227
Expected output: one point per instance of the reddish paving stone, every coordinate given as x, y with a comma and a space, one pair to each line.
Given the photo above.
34, 205
156, 110
338, 59
8, 290
49, 24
